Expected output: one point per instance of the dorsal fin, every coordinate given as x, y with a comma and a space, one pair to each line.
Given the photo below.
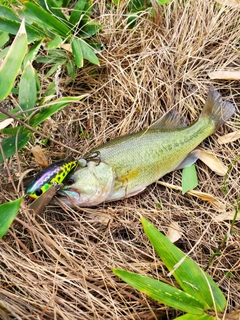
170, 121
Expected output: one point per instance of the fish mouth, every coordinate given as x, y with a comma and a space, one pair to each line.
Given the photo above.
71, 194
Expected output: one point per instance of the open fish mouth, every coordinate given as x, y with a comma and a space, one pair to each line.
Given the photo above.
69, 194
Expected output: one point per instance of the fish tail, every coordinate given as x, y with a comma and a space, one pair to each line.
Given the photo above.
216, 110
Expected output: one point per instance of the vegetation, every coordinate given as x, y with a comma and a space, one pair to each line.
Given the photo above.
199, 295
87, 72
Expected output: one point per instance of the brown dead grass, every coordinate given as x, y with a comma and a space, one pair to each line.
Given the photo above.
58, 265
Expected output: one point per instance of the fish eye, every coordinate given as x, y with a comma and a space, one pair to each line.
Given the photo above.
38, 192
70, 181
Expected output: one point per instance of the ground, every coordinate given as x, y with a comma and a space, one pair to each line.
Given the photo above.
57, 265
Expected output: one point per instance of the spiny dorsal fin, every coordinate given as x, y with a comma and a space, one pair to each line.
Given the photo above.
170, 121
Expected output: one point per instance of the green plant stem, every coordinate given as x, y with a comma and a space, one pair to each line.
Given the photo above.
35, 131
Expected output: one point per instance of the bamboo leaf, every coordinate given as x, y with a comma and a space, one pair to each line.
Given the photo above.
188, 274
52, 7
5, 123
225, 74
212, 162
89, 29
189, 178
10, 23
189, 316
45, 19
88, 52
77, 52
8, 212
4, 52
12, 62
6, 12
4, 37
32, 53
162, 292
55, 107
28, 88
12, 144
77, 12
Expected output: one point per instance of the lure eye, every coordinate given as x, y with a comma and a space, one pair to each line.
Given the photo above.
38, 192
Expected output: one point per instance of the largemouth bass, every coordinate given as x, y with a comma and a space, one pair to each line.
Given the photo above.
126, 165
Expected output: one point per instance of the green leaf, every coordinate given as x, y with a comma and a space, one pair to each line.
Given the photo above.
10, 23
189, 316
189, 275
163, 1
162, 292
71, 69
4, 37
8, 212
65, 3
77, 52
52, 7
45, 19
14, 130
55, 43
55, 107
89, 30
4, 52
32, 53
53, 70
12, 144
189, 178
88, 53
12, 111
12, 62
28, 88
77, 12
6, 12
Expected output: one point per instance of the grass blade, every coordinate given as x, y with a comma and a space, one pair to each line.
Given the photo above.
188, 274
162, 292
8, 212
12, 62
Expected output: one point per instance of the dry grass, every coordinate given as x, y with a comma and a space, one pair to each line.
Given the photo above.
57, 265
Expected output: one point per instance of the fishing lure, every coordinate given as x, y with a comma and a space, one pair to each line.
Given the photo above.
55, 173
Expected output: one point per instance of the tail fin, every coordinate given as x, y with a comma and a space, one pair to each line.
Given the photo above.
216, 109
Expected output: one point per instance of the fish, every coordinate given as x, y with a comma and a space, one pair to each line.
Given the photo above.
53, 174
126, 165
